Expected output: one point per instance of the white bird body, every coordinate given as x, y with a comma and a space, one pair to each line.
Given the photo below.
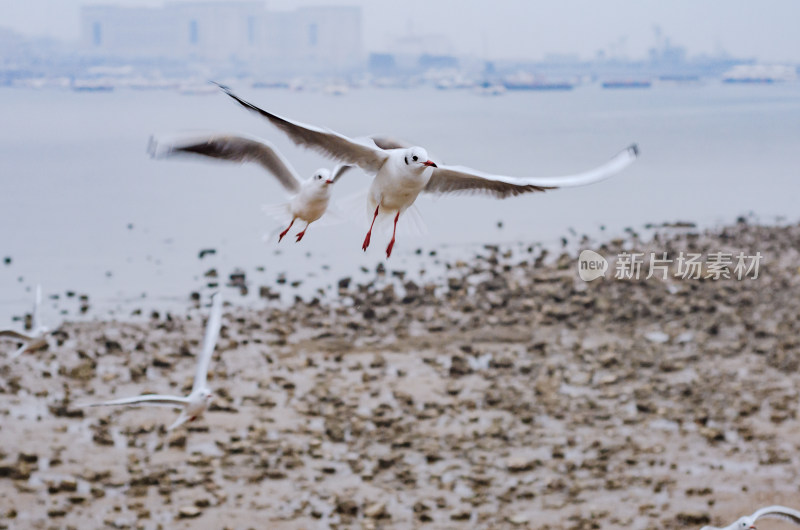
395, 187
748, 522
197, 402
37, 338
308, 199
401, 174
312, 201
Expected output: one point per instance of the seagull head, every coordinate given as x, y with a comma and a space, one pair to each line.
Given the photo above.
417, 157
322, 178
744, 523
203, 397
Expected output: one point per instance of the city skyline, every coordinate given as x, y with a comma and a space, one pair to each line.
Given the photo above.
514, 29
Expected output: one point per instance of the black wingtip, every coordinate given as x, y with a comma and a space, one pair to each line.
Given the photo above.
633, 148
226, 88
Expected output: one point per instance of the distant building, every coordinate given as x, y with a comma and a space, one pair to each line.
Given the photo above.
311, 39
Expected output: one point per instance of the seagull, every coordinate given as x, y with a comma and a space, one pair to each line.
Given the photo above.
37, 338
402, 173
193, 405
309, 198
748, 522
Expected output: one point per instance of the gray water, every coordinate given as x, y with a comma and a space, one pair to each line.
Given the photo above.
75, 175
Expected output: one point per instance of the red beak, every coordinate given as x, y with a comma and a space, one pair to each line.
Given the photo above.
430, 164
329, 181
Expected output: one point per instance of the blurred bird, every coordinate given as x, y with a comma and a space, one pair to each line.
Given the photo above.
196, 403
748, 522
37, 338
309, 198
402, 173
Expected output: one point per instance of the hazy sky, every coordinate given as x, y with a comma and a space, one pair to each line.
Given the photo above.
520, 28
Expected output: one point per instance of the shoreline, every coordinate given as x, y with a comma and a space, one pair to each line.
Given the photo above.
509, 393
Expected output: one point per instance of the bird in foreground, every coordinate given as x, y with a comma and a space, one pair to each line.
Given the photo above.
197, 402
37, 338
748, 522
309, 198
402, 173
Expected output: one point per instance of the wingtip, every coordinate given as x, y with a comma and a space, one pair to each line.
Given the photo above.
225, 88
634, 149
157, 149
152, 146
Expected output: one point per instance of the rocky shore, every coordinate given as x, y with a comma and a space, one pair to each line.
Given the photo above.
507, 394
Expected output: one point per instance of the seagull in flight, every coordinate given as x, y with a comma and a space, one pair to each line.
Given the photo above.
402, 173
197, 402
37, 338
748, 522
309, 198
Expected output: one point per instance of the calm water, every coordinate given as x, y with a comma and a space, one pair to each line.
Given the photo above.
75, 175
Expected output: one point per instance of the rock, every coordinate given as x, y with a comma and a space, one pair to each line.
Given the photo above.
520, 464
657, 337
461, 515
693, 518
376, 510
347, 507
518, 519
189, 512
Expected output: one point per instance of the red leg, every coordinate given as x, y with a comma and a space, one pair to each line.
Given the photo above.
366, 239
301, 234
394, 231
285, 231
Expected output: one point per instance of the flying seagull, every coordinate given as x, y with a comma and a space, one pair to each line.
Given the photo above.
193, 405
402, 173
748, 522
37, 338
309, 198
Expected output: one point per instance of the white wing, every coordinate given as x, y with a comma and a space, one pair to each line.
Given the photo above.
147, 399
778, 512
235, 148
324, 141
388, 142
458, 179
209, 342
182, 418
35, 344
35, 320
340, 170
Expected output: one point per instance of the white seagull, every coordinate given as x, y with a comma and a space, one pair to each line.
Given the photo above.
401, 174
748, 522
309, 198
193, 405
37, 338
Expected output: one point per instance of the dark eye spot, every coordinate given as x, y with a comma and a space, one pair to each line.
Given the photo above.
414, 158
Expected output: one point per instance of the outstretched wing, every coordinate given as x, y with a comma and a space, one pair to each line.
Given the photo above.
340, 170
209, 341
147, 399
458, 179
236, 148
11, 334
36, 321
324, 141
180, 420
778, 512
388, 142
35, 344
